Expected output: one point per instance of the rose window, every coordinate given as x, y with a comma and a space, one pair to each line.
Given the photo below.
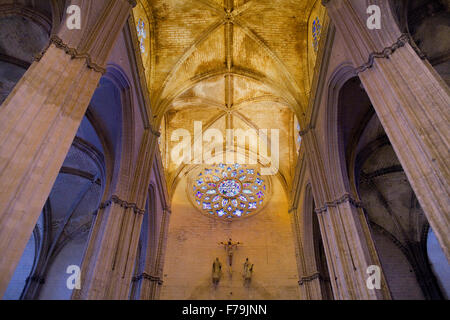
229, 188
229, 191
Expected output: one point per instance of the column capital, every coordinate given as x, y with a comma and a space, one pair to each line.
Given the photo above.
149, 277
74, 54
353, 20
125, 204
385, 54
303, 279
101, 24
346, 198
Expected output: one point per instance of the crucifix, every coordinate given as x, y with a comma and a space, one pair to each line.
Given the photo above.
230, 246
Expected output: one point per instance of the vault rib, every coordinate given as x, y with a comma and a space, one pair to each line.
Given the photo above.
229, 83
203, 37
163, 105
193, 101
293, 86
214, 6
264, 98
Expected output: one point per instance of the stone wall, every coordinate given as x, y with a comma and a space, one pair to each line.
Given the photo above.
193, 245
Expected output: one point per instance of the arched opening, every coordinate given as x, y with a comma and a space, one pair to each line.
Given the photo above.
317, 277
139, 264
143, 283
74, 200
88, 172
321, 260
24, 33
62, 231
25, 267
396, 221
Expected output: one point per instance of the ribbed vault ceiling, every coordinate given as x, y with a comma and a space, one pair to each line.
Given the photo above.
230, 64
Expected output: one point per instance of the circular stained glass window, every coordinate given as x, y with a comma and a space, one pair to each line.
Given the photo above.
229, 188
229, 191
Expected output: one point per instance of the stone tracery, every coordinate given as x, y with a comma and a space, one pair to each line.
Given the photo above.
229, 191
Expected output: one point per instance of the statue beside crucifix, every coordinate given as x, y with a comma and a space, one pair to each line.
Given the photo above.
216, 271
248, 272
230, 246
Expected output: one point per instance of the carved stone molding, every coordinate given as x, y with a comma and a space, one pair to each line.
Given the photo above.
345, 198
315, 275
123, 204
148, 277
74, 54
385, 54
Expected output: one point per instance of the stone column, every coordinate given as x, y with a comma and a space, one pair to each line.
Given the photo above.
299, 256
309, 282
411, 100
152, 278
108, 265
40, 118
348, 247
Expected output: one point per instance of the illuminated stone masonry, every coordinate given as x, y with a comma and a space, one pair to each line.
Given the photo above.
229, 191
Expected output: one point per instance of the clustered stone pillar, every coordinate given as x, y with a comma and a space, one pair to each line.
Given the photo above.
309, 282
348, 247
40, 118
109, 262
411, 101
152, 277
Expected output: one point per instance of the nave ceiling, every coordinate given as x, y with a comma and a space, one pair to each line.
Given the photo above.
231, 64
